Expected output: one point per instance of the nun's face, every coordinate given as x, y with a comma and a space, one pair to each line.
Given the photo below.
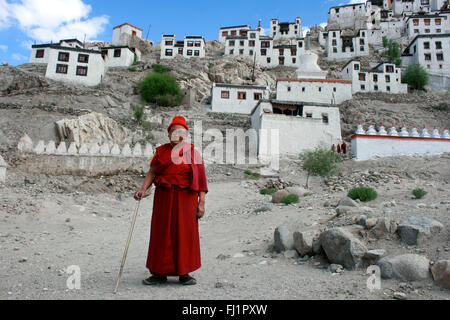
177, 134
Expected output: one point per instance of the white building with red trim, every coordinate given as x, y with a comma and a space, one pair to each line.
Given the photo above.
373, 144
342, 45
123, 32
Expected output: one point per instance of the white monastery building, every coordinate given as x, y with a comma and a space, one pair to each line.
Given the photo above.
426, 24
286, 30
342, 45
385, 77
120, 56
191, 47
263, 51
123, 33
326, 91
242, 30
67, 61
433, 53
233, 98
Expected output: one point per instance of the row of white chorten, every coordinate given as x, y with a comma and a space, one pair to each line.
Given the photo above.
105, 149
403, 132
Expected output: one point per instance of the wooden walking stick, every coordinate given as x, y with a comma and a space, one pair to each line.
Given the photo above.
130, 234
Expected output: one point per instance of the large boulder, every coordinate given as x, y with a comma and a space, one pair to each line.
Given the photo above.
279, 195
406, 267
284, 236
304, 241
415, 230
341, 247
92, 128
441, 273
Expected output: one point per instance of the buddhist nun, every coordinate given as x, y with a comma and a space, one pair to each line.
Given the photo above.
178, 172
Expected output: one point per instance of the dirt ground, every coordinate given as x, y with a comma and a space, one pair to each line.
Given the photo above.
50, 223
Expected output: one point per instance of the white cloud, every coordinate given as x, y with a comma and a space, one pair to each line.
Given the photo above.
52, 20
305, 30
3, 48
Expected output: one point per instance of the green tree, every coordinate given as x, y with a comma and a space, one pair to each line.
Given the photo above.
138, 112
392, 52
160, 68
416, 76
319, 162
162, 89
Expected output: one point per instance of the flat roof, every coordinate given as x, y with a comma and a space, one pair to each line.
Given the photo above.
443, 35
348, 5
55, 46
233, 27
314, 80
129, 24
243, 86
56, 43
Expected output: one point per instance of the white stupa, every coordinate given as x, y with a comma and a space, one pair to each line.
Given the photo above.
382, 131
371, 131
404, 132
309, 69
446, 134
360, 129
436, 133
415, 133
393, 131
425, 133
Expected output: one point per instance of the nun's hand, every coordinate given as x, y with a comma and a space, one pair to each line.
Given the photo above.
200, 210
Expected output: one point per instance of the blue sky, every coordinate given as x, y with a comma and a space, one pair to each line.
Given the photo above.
24, 22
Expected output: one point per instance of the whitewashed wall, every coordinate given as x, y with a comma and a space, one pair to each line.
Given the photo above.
315, 91
371, 145
96, 68
233, 104
360, 45
126, 58
229, 30
296, 134
125, 29
44, 59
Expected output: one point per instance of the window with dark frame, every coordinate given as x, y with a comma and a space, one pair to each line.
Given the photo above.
362, 77
263, 52
196, 53
225, 94
190, 43
180, 51
169, 42
197, 44
375, 78
440, 57
356, 66
390, 69
257, 96
251, 43
82, 71
118, 52
426, 45
438, 45
62, 68
168, 52
388, 78
63, 56
427, 56
325, 118
242, 95
189, 52
231, 43
83, 58
40, 53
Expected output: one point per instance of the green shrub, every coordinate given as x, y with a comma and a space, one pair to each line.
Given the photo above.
416, 76
292, 198
419, 193
320, 162
393, 51
138, 112
132, 69
162, 89
363, 193
307, 194
268, 191
160, 68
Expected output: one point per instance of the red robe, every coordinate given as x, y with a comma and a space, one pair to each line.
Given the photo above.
174, 248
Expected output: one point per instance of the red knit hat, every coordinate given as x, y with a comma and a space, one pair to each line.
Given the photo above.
178, 120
